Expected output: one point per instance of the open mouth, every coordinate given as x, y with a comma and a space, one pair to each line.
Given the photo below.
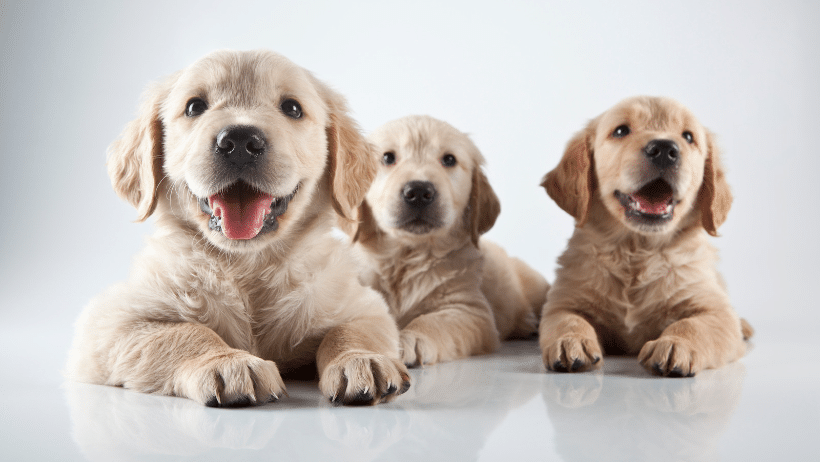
653, 204
243, 212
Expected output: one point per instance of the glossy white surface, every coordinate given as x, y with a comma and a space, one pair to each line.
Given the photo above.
520, 77
502, 406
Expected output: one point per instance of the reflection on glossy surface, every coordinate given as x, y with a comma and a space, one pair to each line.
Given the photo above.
115, 424
452, 407
462, 410
640, 417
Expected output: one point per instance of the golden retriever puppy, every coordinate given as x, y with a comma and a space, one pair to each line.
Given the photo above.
242, 158
645, 184
452, 294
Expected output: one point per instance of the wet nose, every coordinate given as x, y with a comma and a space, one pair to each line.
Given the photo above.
663, 153
240, 145
419, 193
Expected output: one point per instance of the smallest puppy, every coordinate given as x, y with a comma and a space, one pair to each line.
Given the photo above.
452, 294
645, 184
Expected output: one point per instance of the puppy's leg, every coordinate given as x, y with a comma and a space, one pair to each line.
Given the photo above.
358, 362
452, 332
703, 341
568, 341
191, 360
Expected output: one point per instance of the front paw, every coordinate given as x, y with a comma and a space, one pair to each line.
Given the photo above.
417, 349
571, 353
670, 356
364, 379
234, 379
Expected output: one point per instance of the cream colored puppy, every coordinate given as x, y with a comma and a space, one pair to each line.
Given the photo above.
452, 294
645, 184
242, 158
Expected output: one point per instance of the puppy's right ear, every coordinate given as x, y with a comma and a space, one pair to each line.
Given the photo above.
572, 183
135, 159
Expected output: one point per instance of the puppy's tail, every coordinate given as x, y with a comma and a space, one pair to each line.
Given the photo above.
746, 329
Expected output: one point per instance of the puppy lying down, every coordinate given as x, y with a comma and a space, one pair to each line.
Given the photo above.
242, 158
645, 184
452, 294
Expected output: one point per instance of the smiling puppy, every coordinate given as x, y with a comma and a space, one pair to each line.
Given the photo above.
452, 294
242, 158
645, 184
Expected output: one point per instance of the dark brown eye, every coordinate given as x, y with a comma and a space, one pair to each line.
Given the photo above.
687, 135
621, 131
388, 158
448, 160
291, 108
195, 107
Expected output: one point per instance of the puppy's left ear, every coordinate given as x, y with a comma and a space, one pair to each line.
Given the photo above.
714, 196
484, 205
352, 163
367, 229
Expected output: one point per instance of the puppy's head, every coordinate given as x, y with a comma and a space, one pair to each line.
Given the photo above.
242, 146
649, 162
430, 183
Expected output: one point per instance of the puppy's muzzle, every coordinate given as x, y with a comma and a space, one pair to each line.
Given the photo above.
420, 213
418, 194
240, 146
664, 154
240, 209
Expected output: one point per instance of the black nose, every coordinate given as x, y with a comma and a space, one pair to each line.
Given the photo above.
418, 193
663, 153
240, 145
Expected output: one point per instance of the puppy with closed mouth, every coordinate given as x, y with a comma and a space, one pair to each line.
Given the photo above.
243, 157
645, 183
452, 294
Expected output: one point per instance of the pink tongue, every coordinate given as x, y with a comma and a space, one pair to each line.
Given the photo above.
242, 210
652, 205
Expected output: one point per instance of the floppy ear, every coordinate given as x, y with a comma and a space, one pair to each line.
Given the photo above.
714, 196
352, 163
572, 183
484, 205
362, 227
367, 228
135, 158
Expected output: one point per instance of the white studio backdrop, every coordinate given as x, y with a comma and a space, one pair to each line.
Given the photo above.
520, 77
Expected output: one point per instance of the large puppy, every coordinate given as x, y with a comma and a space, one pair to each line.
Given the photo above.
242, 158
645, 184
452, 295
